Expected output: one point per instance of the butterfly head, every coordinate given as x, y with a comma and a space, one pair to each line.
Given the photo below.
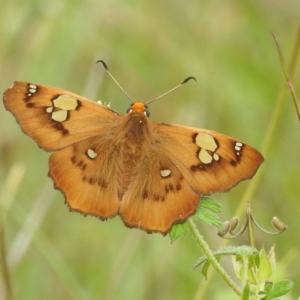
139, 107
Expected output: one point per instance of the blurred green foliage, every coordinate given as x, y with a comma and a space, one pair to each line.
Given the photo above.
149, 47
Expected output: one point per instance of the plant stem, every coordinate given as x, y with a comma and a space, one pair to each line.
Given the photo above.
210, 256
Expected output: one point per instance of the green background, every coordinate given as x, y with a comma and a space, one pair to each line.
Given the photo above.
149, 46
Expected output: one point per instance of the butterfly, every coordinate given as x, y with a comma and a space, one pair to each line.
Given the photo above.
106, 164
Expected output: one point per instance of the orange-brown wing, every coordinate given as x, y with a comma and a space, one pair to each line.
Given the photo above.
159, 195
92, 174
87, 174
56, 118
178, 166
209, 161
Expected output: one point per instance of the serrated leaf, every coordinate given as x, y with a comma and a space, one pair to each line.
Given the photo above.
208, 217
177, 230
211, 204
280, 288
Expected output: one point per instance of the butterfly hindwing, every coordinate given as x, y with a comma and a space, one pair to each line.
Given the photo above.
56, 118
158, 195
87, 174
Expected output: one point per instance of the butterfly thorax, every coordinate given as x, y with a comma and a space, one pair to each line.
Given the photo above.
134, 138
135, 124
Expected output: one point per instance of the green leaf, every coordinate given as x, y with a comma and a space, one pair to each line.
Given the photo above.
272, 258
254, 260
280, 288
237, 267
205, 212
211, 204
208, 217
177, 230
205, 269
246, 292
265, 269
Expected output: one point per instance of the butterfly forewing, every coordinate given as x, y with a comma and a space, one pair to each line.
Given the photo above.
211, 162
56, 118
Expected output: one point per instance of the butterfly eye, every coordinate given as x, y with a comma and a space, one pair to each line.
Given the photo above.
147, 113
129, 109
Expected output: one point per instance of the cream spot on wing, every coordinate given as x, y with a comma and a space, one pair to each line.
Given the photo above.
49, 110
165, 173
216, 156
205, 157
91, 153
60, 115
65, 102
208, 144
206, 141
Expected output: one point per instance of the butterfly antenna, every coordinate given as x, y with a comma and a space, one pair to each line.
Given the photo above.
113, 78
173, 89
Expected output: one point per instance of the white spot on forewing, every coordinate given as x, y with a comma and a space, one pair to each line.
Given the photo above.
205, 157
60, 115
104, 103
165, 173
65, 102
206, 142
32, 88
49, 110
238, 147
91, 153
